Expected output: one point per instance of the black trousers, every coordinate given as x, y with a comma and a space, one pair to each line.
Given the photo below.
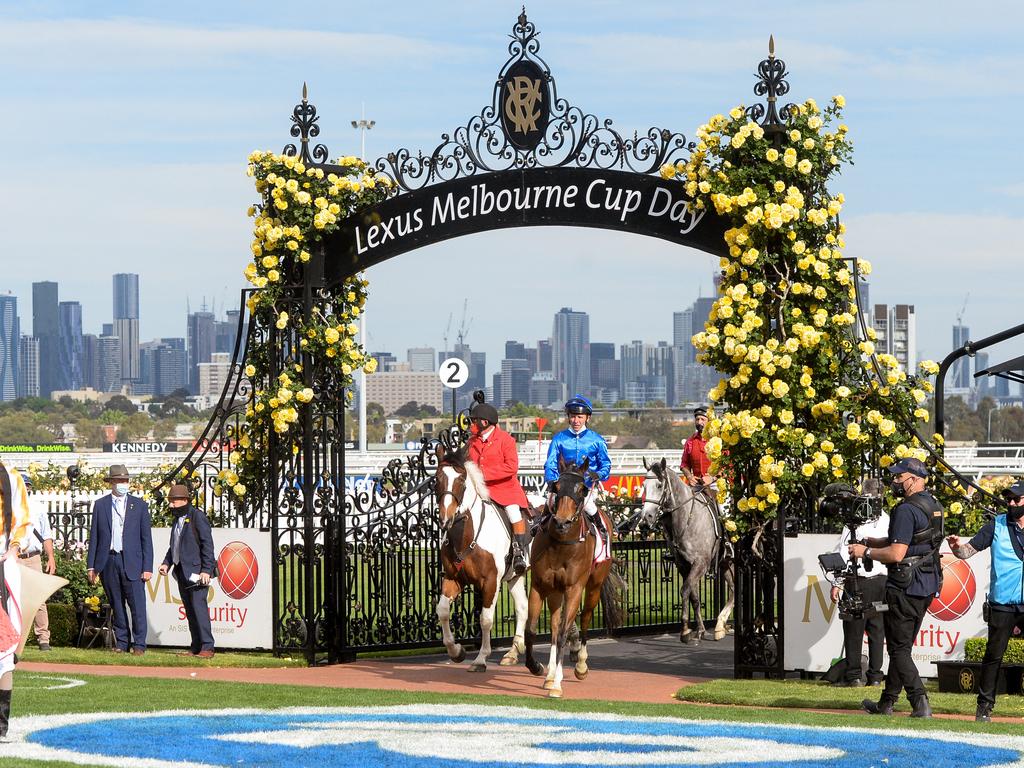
902, 623
1000, 627
873, 589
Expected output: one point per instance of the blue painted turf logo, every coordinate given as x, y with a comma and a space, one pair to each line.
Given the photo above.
426, 736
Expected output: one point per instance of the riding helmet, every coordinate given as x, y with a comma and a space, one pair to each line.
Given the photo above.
579, 404
700, 410
484, 411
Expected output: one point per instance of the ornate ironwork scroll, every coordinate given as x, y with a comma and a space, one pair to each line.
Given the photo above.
560, 135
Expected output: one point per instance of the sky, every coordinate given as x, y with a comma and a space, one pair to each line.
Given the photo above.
128, 124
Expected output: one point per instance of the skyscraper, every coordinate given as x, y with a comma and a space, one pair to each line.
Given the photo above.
421, 359
46, 328
896, 329
201, 344
685, 354
570, 350
28, 367
162, 363
108, 364
961, 369
126, 324
69, 358
10, 344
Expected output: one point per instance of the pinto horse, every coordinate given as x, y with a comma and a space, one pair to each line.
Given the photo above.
694, 534
562, 563
474, 551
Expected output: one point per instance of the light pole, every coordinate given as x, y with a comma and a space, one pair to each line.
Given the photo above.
362, 125
988, 432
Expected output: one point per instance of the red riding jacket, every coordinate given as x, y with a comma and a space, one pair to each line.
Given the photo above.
498, 460
695, 457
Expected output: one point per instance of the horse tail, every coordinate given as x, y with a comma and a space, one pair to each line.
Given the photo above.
613, 598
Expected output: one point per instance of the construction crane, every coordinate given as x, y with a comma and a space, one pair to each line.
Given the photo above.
960, 314
464, 324
445, 337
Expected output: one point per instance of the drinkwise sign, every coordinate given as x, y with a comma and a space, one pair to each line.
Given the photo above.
814, 631
239, 601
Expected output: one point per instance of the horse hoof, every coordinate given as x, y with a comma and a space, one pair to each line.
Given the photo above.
508, 660
555, 693
477, 667
548, 685
460, 656
581, 674
719, 634
684, 639
537, 668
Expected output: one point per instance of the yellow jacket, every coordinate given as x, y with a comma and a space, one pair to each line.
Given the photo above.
21, 518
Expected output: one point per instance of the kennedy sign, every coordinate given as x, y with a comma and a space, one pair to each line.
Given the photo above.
154, 447
240, 599
583, 197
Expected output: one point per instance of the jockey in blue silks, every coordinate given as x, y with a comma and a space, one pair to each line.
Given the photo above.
574, 445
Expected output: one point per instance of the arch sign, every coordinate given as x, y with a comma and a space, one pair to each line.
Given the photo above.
528, 159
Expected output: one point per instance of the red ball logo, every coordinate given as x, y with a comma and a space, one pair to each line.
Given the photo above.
238, 570
958, 589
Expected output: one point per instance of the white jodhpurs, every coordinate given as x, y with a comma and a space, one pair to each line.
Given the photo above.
514, 513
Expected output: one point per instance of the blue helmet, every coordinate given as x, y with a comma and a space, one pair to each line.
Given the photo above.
579, 404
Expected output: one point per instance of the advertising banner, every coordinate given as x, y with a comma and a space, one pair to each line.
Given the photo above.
240, 598
814, 632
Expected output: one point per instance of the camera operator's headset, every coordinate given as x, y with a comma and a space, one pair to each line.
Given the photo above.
932, 535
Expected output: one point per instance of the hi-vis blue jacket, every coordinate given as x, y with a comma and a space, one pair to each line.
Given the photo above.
574, 449
1007, 570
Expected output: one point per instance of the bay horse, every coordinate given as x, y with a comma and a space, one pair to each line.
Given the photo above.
474, 551
694, 534
562, 567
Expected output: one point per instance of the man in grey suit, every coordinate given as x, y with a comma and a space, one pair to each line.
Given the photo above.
121, 555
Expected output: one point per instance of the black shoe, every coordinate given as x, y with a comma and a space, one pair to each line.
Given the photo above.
855, 683
921, 708
518, 563
873, 683
5, 712
44, 646
983, 715
881, 707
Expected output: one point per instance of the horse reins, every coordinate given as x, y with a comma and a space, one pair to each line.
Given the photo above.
575, 517
462, 514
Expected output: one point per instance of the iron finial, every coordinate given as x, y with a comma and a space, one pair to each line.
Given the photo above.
305, 93
304, 127
771, 46
522, 17
771, 84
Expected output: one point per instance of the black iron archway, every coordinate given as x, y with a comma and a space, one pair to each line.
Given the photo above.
358, 569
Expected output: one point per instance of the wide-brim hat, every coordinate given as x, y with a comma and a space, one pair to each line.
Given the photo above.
911, 465
116, 472
178, 491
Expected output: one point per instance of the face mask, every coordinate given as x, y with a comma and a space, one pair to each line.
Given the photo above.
1014, 512
120, 488
897, 489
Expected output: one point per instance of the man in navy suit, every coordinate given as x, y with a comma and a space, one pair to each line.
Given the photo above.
191, 557
121, 555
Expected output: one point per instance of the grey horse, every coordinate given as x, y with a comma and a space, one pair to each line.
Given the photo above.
693, 531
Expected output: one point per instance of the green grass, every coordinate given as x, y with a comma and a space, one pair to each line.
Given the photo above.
818, 695
158, 657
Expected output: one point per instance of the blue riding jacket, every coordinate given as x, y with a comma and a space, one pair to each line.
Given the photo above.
574, 449
1007, 574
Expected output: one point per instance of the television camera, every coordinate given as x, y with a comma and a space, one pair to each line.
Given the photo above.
854, 509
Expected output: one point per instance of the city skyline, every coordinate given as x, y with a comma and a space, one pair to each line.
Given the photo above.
170, 195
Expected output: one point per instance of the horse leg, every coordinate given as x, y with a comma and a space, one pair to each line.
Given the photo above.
574, 643
570, 606
449, 591
518, 590
535, 667
490, 599
555, 611
693, 581
684, 598
723, 617
586, 616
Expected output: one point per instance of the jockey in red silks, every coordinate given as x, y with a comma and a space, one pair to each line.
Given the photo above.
695, 464
494, 451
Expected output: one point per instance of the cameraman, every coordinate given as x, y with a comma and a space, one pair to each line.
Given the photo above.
1006, 588
871, 586
911, 552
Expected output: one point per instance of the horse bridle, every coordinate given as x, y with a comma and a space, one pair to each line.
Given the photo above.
579, 504
459, 511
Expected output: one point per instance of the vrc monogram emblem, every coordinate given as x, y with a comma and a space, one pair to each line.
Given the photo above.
524, 104
521, 103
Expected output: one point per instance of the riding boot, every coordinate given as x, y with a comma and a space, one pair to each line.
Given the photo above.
5, 712
518, 556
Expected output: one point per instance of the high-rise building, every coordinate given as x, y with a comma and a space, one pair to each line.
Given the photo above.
984, 383
202, 338
685, 354
162, 363
421, 359
646, 372
604, 372
108, 364
10, 346
570, 350
546, 391
544, 355
28, 367
960, 374
214, 375
515, 351
46, 328
896, 329
69, 362
91, 360
126, 324
512, 385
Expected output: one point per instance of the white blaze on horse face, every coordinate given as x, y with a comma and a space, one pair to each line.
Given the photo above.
652, 499
448, 505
